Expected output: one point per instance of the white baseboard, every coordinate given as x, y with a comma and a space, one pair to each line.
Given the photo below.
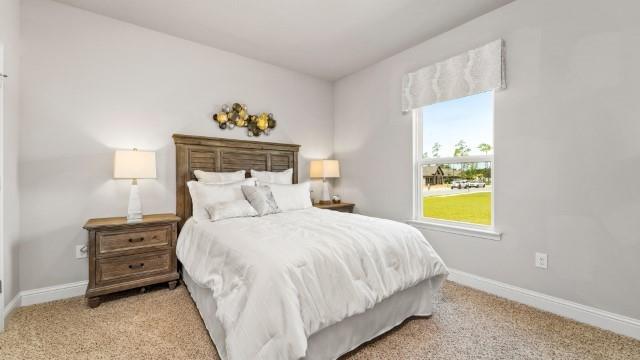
46, 294
12, 305
589, 315
52, 293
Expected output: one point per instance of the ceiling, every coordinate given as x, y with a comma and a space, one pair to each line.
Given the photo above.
324, 38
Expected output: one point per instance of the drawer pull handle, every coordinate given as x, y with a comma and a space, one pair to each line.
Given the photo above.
131, 240
136, 266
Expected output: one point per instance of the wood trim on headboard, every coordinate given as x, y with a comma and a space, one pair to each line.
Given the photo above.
222, 155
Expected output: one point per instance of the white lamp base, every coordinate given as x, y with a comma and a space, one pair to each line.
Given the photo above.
325, 198
134, 213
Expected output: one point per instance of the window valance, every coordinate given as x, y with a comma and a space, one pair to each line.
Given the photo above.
475, 71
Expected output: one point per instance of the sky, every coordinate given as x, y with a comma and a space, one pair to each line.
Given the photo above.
469, 119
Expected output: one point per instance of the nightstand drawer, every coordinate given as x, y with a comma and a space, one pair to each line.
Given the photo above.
125, 241
134, 267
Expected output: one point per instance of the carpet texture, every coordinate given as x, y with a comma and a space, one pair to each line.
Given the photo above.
164, 324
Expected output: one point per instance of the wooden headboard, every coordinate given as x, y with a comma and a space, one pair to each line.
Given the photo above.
222, 155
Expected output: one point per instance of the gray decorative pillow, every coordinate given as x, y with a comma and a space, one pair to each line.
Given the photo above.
261, 198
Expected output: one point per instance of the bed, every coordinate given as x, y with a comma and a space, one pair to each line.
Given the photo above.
312, 283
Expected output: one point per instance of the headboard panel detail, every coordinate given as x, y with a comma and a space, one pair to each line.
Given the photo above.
224, 155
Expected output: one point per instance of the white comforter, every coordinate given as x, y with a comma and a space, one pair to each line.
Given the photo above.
279, 278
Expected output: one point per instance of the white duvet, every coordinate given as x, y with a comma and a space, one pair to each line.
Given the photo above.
279, 278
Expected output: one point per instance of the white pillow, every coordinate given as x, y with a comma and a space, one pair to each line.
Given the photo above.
219, 177
292, 197
273, 177
230, 209
203, 195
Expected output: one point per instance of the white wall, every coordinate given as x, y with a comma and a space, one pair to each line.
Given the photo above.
566, 141
92, 84
10, 39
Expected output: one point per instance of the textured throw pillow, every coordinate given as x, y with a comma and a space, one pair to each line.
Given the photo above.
292, 197
273, 177
203, 195
219, 177
261, 198
230, 209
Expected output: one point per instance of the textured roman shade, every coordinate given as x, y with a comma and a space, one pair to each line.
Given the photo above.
475, 71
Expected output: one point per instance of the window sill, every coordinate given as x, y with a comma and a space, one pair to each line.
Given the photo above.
456, 229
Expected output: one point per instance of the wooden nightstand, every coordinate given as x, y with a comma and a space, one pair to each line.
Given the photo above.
342, 207
124, 256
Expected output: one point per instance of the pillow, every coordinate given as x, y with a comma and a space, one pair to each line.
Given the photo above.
261, 199
203, 195
230, 209
292, 197
273, 177
219, 177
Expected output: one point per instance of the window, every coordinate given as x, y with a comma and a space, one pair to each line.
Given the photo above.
454, 161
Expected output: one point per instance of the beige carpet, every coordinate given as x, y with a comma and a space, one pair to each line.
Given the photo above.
163, 324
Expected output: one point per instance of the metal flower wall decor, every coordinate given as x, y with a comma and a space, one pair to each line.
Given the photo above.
237, 115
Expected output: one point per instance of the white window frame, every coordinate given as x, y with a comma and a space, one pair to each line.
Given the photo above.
447, 226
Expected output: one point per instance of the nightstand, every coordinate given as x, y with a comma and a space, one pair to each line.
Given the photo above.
124, 256
342, 207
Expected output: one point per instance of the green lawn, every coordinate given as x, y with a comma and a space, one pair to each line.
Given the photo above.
471, 208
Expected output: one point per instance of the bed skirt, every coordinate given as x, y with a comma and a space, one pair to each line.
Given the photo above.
344, 336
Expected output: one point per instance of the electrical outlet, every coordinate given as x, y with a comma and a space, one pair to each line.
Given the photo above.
81, 251
541, 260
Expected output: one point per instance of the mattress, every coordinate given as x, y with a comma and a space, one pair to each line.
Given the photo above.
342, 337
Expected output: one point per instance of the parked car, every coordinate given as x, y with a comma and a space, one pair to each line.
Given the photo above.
476, 184
459, 184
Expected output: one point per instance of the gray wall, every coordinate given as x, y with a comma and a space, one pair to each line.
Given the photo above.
10, 38
92, 84
566, 142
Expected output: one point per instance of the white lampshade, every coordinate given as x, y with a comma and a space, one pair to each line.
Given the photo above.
324, 169
134, 164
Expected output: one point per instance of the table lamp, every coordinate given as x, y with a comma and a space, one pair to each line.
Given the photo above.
324, 169
134, 165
